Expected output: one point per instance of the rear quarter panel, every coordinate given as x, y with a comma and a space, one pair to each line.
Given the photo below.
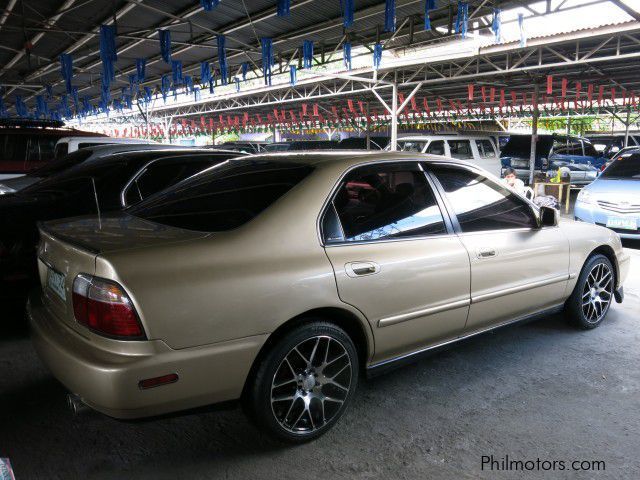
234, 284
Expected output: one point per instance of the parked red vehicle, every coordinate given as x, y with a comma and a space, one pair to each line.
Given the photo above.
27, 145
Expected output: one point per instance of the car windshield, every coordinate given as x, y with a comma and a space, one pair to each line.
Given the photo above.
625, 167
223, 198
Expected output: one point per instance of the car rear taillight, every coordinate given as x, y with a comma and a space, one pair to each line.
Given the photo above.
104, 307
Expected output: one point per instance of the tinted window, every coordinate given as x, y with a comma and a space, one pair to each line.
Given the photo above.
460, 149
75, 187
485, 149
626, 166
386, 201
436, 147
92, 144
567, 147
411, 146
62, 164
589, 150
61, 149
14, 153
481, 204
47, 148
164, 173
225, 197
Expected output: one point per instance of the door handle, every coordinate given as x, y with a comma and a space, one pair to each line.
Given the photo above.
486, 253
360, 269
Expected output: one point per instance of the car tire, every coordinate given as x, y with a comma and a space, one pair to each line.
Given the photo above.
304, 383
593, 294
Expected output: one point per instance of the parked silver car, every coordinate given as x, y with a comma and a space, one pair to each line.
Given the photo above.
613, 200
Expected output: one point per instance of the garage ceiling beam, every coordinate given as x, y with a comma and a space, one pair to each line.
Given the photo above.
627, 9
35, 39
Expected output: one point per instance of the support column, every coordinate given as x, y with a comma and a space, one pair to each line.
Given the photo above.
534, 133
368, 129
627, 124
394, 119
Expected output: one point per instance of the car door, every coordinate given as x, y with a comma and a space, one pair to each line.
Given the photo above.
516, 268
395, 257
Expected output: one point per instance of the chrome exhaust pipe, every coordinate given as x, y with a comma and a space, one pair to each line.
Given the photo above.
75, 403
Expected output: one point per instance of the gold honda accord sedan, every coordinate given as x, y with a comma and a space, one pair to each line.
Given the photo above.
280, 279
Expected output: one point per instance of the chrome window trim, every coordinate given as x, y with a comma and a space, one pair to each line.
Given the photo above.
329, 201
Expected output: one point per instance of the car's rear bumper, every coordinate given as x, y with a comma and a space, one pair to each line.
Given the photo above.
107, 379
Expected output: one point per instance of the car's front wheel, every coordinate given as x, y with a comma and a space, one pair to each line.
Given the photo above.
590, 301
304, 383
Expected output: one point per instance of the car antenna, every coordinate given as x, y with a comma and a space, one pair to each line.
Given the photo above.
95, 195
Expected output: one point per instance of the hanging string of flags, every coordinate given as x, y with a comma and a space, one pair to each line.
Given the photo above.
421, 112
210, 76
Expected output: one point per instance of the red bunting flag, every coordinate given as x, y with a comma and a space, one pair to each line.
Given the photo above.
563, 91
470, 91
315, 109
549, 84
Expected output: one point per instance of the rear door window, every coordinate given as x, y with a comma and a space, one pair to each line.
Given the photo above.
225, 197
460, 149
567, 147
480, 204
436, 147
384, 201
485, 149
411, 146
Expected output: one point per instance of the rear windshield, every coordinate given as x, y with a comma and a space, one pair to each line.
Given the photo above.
626, 166
222, 198
520, 146
61, 164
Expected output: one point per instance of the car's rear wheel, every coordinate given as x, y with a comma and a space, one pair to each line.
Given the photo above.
590, 301
304, 383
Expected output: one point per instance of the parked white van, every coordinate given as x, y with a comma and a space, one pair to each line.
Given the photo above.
478, 149
68, 145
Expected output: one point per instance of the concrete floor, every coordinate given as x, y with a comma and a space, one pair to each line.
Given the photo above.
542, 390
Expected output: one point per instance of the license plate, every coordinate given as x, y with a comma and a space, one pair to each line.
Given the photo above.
55, 282
622, 223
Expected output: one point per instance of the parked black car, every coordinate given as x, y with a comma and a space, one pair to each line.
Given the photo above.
360, 143
112, 183
86, 154
298, 145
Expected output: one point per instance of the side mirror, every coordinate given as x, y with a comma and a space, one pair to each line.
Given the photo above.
548, 217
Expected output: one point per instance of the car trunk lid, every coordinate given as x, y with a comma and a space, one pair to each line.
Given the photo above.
70, 247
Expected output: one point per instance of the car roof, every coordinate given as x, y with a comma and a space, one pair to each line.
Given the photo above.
441, 136
347, 158
153, 153
99, 138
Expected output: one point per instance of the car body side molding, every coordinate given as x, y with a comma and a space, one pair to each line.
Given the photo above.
384, 366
